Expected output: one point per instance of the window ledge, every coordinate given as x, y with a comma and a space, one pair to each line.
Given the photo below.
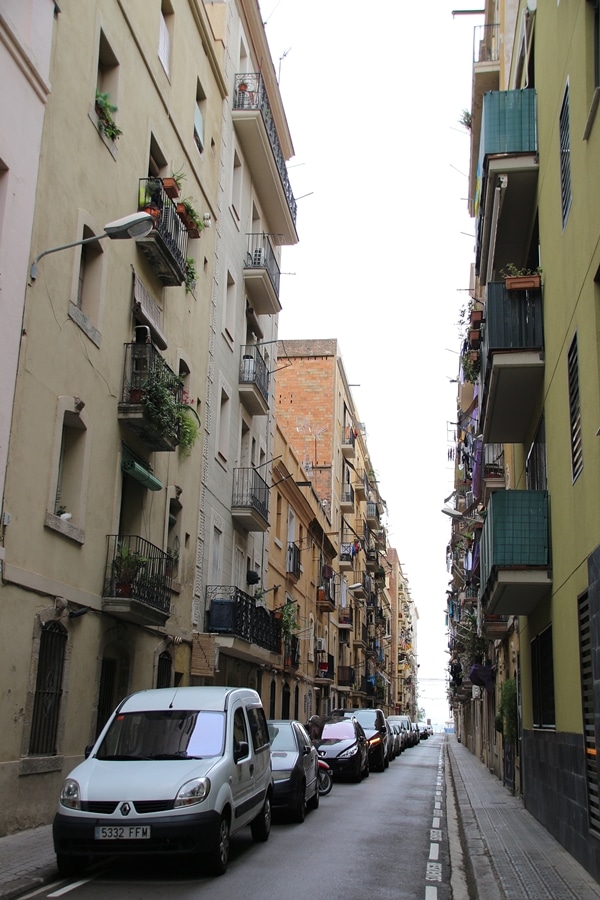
38, 765
74, 532
84, 323
592, 114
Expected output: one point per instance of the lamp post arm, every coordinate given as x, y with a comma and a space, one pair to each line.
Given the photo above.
34, 264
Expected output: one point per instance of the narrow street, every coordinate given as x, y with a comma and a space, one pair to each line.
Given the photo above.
385, 837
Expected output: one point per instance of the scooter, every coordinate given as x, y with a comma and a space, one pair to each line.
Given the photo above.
325, 778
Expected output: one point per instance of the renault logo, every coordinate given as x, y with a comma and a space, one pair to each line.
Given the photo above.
125, 809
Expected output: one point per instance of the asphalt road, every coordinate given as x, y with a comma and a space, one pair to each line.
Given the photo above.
383, 838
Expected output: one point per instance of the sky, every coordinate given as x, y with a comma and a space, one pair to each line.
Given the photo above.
373, 93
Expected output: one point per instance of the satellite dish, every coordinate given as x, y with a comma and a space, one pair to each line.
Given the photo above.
532, 5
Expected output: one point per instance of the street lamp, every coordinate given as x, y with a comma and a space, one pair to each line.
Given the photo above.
136, 225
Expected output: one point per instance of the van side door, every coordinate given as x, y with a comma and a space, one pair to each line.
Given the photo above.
242, 783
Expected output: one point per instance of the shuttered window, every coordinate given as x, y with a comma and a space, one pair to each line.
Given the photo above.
565, 158
48, 691
575, 410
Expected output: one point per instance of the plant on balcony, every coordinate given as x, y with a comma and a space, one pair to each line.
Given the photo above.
189, 428
104, 111
172, 184
466, 119
471, 365
159, 396
190, 218
521, 279
289, 619
150, 197
126, 566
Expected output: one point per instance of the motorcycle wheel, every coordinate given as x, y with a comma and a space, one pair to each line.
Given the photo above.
325, 782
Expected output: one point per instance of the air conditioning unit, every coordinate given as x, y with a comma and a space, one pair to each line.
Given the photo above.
321, 644
259, 257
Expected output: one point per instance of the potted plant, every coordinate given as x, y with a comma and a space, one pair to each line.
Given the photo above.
471, 365
172, 184
519, 279
161, 401
126, 567
289, 618
190, 218
474, 338
104, 111
150, 197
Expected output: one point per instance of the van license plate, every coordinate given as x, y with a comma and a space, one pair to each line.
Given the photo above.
121, 832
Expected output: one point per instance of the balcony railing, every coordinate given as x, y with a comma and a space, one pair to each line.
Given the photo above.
291, 651
261, 275
231, 611
347, 498
512, 365
250, 499
325, 665
515, 552
293, 560
151, 398
348, 441
137, 580
166, 245
372, 514
254, 380
345, 676
249, 95
486, 43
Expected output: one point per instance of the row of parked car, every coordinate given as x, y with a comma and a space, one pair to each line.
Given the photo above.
176, 771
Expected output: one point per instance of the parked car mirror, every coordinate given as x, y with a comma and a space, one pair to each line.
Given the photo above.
88, 750
241, 750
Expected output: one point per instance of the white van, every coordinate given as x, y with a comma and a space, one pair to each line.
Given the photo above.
175, 771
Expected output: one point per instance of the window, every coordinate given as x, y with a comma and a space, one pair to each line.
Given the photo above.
68, 487
575, 410
224, 426
236, 187
164, 670
535, 467
164, 35
258, 727
240, 732
89, 277
199, 114
48, 690
565, 159
215, 558
230, 308
107, 84
542, 680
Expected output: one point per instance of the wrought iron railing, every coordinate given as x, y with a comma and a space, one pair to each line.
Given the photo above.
250, 93
291, 651
348, 436
260, 255
153, 198
231, 611
137, 569
147, 379
253, 369
347, 496
250, 491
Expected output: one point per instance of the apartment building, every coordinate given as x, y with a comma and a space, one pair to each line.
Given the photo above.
256, 216
100, 515
316, 411
534, 186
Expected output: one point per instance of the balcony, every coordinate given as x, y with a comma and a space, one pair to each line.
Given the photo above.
166, 246
512, 363
256, 132
344, 619
362, 486
372, 559
486, 78
495, 627
250, 500
515, 553
254, 381
325, 667
291, 652
262, 276
151, 399
348, 441
360, 637
137, 587
506, 190
292, 566
232, 612
345, 676
372, 514
326, 596
347, 499
366, 587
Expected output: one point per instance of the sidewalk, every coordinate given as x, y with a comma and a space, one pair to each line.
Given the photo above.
508, 855
27, 861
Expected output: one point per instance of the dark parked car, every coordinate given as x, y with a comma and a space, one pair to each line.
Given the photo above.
405, 724
343, 744
397, 735
376, 729
295, 765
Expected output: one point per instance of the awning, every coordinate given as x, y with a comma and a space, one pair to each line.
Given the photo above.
130, 467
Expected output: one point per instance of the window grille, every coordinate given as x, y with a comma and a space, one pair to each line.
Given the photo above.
565, 159
542, 682
48, 690
575, 410
587, 697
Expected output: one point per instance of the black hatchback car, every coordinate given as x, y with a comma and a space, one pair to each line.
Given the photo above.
343, 745
376, 730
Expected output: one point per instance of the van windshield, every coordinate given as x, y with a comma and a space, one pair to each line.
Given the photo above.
164, 734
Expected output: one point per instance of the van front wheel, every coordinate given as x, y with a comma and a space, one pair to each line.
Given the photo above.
261, 825
216, 863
